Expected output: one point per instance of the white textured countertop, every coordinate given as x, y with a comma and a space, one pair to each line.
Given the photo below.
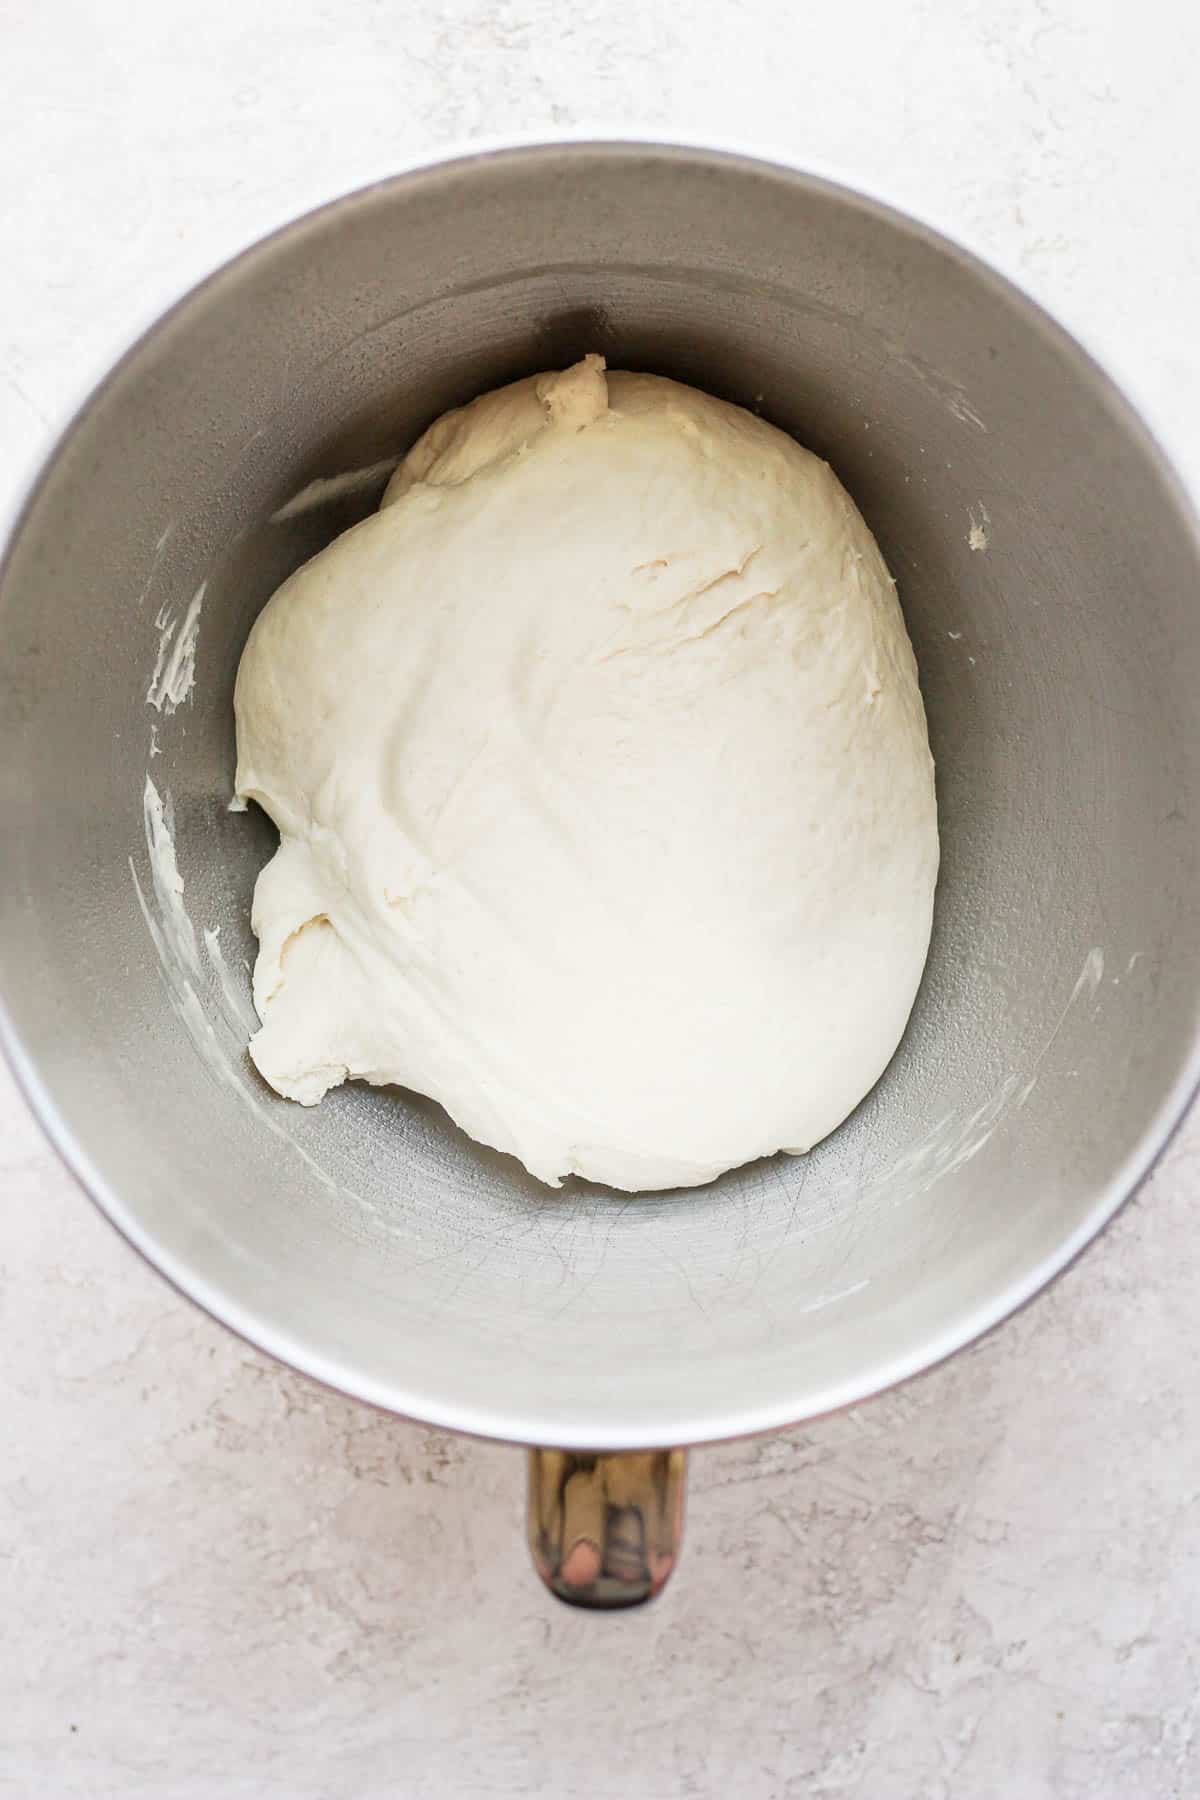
218, 1579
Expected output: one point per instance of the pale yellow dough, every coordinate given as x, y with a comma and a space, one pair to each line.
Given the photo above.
605, 799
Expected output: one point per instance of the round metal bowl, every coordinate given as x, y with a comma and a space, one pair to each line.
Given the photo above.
1048, 565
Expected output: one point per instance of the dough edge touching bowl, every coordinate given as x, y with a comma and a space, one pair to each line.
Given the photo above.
255, 1313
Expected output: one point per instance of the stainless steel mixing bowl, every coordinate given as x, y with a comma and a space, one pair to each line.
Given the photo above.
1049, 569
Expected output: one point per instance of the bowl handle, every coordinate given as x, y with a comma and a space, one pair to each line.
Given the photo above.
605, 1526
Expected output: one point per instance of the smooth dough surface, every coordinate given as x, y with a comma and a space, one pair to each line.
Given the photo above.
605, 798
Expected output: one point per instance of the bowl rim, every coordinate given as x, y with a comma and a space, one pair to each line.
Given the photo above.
517, 1425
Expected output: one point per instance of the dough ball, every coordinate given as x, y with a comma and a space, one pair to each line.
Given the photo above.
604, 793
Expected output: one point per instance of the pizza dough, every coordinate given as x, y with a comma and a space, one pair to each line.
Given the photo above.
604, 793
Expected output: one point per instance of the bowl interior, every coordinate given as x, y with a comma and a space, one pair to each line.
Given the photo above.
1047, 568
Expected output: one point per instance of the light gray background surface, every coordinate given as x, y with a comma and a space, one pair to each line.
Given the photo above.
216, 1578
